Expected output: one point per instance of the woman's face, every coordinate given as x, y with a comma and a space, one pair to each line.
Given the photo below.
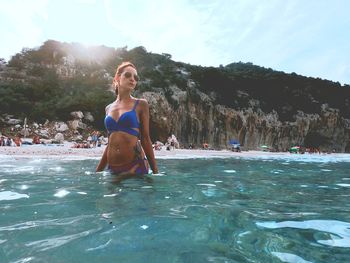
128, 78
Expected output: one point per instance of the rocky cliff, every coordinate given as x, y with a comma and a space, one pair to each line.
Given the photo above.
241, 101
199, 121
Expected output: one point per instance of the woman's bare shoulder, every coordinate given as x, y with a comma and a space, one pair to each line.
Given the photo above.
107, 107
143, 102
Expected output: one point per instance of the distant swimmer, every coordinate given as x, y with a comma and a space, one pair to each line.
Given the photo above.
127, 124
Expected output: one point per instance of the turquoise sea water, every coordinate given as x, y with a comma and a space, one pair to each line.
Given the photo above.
199, 210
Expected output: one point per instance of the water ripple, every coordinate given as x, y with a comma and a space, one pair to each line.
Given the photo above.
9, 195
290, 258
61, 193
49, 243
45, 223
100, 247
24, 260
339, 231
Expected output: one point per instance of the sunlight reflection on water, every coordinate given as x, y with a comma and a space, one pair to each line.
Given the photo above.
229, 209
339, 231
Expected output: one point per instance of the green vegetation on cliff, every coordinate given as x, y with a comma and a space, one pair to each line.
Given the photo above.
57, 78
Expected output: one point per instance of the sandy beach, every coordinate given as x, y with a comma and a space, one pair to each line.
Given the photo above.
65, 151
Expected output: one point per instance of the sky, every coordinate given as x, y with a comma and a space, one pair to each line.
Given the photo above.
310, 38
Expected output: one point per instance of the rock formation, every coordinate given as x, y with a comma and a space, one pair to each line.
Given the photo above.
251, 104
202, 121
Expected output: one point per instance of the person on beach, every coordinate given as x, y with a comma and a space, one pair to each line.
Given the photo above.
36, 139
94, 139
18, 141
8, 141
127, 124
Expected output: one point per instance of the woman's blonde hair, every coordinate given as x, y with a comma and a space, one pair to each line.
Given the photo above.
120, 70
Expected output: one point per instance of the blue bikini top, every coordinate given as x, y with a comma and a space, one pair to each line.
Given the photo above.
127, 122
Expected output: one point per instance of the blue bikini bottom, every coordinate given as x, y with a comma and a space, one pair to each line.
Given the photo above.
137, 167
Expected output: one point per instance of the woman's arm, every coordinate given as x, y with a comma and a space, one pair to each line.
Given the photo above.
103, 162
145, 138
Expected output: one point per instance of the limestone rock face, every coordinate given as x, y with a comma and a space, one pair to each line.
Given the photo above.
77, 124
161, 115
25, 132
88, 116
61, 127
77, 138
59, 138
195, 119
44, 133
77, 114
13, 121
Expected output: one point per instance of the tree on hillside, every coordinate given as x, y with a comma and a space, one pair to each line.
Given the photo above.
2, 62
18, 61
34, 82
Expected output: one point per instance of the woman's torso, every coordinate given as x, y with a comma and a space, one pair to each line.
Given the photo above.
122, 123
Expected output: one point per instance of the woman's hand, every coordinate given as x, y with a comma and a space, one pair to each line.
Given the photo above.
98, 169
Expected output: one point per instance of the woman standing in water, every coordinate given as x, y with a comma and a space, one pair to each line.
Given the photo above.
127, 123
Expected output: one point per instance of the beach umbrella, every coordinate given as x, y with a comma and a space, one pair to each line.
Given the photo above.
235, 145
264, 148
294, 149
234, 142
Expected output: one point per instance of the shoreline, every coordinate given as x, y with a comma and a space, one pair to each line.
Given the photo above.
65, 151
